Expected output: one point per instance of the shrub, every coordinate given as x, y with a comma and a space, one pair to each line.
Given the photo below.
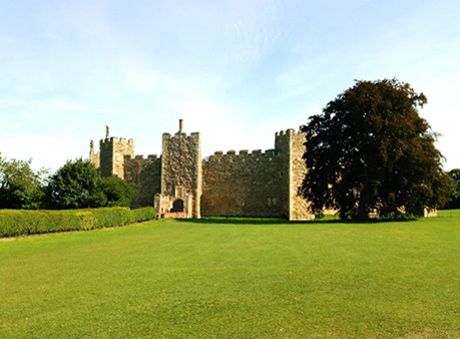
24, 222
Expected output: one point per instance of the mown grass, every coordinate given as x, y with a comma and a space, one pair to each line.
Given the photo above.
448, 213
235, 279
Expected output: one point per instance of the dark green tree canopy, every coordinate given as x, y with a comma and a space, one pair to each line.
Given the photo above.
455, 189
20, 185
370, 151
118, 192
77, 185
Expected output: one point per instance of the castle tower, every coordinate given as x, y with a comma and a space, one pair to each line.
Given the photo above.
181, 174
290, 145
93, 156
112, 152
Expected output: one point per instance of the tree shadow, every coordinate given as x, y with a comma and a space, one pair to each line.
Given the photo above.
253, 221
277, 221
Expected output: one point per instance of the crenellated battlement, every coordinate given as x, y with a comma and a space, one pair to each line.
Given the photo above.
289, 131
242, 155
117, 140
141, 157
285, 140
194, 136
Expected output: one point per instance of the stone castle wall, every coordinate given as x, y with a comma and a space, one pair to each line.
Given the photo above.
145, 174
259, 183
243, 184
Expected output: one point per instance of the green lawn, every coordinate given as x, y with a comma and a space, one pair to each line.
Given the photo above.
235, 279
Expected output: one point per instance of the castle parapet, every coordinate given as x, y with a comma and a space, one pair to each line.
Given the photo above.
194, 136
117, 140
140, 158
243, 155
270, 153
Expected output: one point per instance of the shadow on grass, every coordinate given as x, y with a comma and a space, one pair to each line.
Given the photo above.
254, 221
276, 221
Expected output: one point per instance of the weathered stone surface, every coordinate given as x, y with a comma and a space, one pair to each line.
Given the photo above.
299, 206
181, 169
244, 184
257, 184
112, 155
93, 156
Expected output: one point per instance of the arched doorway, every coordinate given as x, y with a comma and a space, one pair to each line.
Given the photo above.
178, 206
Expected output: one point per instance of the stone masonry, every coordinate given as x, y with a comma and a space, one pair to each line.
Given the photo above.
259, 184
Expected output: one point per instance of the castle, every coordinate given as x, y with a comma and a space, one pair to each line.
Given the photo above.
183, 184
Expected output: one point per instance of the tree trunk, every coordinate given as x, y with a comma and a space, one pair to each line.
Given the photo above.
363, 210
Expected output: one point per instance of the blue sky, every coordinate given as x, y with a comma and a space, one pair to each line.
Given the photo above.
236, 71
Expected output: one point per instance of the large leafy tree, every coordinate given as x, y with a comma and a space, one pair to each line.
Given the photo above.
75, 185
20, 185
370, 151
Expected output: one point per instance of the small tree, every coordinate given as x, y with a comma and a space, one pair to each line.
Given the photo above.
75, 185
371, 151
20, 185
455, 189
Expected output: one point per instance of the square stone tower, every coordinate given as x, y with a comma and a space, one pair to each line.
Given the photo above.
112, 152
290, 145
181, 174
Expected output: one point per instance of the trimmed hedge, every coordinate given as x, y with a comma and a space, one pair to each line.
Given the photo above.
23, 222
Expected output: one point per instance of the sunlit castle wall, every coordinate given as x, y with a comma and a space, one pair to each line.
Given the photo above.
243, 184
259, 183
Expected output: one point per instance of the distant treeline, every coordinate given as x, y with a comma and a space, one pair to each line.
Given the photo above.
75, 185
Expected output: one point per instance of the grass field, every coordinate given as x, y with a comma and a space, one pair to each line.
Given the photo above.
235, 279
